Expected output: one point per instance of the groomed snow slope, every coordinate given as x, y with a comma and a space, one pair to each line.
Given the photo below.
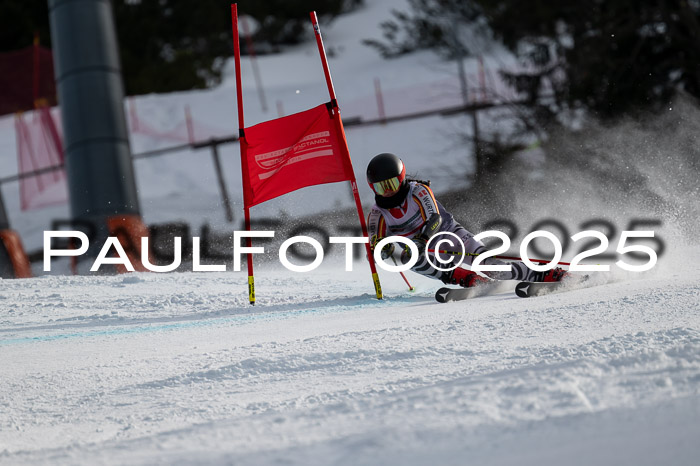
178, 369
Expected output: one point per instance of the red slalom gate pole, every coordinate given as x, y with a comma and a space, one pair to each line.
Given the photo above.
410, 287
324, 60
243, 146
343, 144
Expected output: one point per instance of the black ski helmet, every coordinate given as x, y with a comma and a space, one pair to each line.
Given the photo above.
384, 167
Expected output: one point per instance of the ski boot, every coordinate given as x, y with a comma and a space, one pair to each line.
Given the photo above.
556, 274
464, 278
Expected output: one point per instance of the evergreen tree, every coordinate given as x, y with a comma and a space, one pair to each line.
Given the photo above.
182, 44
608, 56
19, 20
285, 22
172, 45
430, 24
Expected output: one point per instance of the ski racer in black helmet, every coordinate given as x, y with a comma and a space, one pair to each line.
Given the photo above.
408, 208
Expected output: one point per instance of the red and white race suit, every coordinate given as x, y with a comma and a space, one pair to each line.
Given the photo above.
407, 220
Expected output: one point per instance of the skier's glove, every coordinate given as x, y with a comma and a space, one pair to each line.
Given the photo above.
432, 225
387, 251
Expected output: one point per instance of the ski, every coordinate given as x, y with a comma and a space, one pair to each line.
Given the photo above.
446, 295
530, 289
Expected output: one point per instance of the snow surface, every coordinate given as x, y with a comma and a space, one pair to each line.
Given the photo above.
179, 369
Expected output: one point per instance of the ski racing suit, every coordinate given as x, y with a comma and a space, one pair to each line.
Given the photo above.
408, 219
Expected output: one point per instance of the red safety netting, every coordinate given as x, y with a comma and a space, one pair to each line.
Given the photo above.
25, 76
186, 131
39, 146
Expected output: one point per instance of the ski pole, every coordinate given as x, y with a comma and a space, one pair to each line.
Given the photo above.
457, 253
410, 288
544, 261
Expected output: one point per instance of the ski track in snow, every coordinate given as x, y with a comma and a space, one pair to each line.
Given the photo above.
178, 369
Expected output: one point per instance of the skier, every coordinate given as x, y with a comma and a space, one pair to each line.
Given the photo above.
408, 208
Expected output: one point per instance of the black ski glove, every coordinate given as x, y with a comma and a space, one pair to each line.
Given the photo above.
432, 226
387, 251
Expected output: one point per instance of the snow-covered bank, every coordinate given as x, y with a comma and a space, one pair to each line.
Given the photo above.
178, 369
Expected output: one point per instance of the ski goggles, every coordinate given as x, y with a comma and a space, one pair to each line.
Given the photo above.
387, 186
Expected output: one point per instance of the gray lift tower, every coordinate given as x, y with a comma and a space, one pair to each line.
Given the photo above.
99, 167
